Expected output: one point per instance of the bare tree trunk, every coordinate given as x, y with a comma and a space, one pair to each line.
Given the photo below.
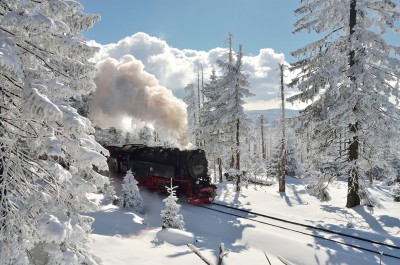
215, 170
371, 179
198, 87
353, 199
202, 84
262, 138
222, 253
238, 155
3, 192
282, 180
3, 188
219, 161
237, 145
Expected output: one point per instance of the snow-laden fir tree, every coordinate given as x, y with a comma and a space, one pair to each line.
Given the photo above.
211, 133
146, 136
229, 113
170, 215
350, 73
131, 197
109, 136
293, 163
192, 101
47, 150
255, 159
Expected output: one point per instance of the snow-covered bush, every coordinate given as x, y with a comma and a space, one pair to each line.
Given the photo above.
170, 216
396, 193
319, 189
131, 195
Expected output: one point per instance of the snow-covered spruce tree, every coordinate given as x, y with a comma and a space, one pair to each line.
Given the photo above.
257, 163
211, 133
109, 136
293, 165
350, 73
47, 150
146, 136
170, 216
229, 111
131, 194
192, 101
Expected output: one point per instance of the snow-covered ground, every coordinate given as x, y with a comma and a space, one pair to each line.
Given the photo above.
121, 236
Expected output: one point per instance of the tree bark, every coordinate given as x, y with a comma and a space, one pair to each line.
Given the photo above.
353, 199
238, 155
3, 192
222, 253
237, 144
262, 138
219, 162
282, 175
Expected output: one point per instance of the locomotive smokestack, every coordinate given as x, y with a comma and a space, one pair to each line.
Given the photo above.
124, 89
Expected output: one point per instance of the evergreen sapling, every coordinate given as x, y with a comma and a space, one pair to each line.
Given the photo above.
170, 216
131, 193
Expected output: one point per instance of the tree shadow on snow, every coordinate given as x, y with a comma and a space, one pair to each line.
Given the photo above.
117, 222
351, 221
287, 199
212, 228
359, 217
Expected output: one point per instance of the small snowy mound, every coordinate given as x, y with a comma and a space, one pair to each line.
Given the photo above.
175, 237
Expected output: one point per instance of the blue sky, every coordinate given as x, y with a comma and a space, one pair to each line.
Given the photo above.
200, 25
181, 34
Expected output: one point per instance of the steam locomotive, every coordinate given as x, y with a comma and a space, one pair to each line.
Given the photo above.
154, 167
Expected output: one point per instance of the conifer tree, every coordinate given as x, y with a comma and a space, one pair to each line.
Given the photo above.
192, 101
210, 135
146, 136
48, 153
170, 215
131, 194
350, 73
229, 108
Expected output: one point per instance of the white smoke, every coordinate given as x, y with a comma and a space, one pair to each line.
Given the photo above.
124, 90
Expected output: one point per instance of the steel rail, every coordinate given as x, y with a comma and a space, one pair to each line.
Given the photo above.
300, 232
310, 226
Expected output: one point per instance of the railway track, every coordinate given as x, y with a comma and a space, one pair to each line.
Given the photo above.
387, 250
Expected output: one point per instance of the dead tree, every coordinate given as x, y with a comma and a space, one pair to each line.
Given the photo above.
282, 162
222, 254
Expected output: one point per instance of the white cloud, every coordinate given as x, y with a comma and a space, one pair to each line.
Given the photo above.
176, 68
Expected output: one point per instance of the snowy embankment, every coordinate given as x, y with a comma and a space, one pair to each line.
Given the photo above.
121, 236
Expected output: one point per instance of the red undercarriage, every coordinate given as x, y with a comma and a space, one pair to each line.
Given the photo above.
195, 197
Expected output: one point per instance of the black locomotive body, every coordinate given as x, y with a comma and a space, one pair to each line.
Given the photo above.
154, 167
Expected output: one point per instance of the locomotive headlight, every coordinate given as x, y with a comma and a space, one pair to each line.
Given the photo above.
197, 182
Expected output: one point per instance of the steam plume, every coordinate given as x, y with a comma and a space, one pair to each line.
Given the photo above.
124, 90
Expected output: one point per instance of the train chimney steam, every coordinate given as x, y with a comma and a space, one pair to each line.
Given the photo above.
124, 89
